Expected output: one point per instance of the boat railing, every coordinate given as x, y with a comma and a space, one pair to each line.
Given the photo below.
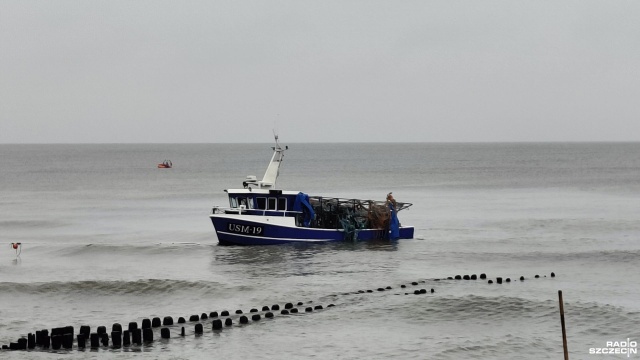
257, 212
357, 203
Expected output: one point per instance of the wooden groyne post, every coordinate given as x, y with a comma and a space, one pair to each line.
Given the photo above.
564, 331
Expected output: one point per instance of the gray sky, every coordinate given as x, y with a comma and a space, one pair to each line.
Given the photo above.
319, 71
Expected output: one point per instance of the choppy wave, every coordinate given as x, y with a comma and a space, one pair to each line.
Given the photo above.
508, 347
603, 319
567, 225
29, 224
553, 256
98, 288
586, 318
485, 308
129, 248
609, 256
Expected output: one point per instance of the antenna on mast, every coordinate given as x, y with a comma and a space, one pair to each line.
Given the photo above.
275, 136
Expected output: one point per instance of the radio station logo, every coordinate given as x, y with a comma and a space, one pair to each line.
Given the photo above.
627, 347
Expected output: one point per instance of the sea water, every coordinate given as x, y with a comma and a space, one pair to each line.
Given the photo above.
107, 237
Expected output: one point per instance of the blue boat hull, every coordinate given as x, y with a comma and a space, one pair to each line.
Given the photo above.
245, 232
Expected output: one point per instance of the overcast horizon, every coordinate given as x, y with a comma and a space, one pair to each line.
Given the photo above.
325, 142
122, 72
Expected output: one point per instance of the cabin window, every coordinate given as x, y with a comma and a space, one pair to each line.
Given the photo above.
272, 204
282, 204
262, 203
238, 201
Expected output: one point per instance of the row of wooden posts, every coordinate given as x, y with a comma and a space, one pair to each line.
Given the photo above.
63, 337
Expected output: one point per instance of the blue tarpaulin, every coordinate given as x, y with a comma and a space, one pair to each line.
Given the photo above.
302, 204
394, 225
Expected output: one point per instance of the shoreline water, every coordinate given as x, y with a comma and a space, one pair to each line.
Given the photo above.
110, 238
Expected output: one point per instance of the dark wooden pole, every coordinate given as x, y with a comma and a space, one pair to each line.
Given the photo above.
564, 332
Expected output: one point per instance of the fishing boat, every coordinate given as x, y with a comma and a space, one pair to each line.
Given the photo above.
167, 164
260, 214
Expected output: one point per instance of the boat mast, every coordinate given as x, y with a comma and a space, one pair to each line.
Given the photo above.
273, 170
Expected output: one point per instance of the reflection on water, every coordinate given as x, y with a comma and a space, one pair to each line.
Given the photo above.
274, 254
295, 260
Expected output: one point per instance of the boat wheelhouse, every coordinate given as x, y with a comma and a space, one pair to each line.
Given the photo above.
259, 214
